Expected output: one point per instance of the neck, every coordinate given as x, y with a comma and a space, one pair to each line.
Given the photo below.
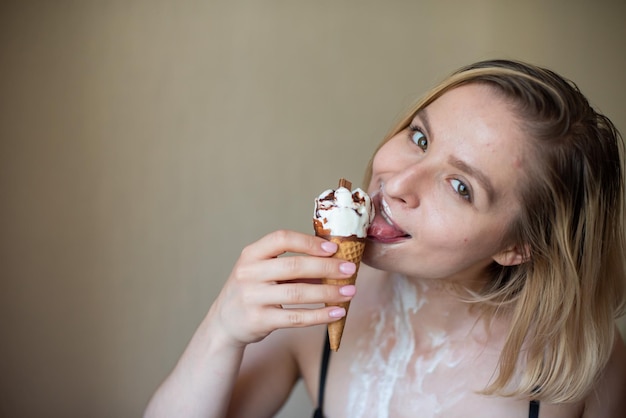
434, 309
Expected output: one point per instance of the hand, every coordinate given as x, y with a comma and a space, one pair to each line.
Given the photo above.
250, 305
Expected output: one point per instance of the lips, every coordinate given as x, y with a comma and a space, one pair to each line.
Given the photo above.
382, 228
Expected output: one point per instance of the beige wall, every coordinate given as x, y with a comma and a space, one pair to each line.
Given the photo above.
144, 143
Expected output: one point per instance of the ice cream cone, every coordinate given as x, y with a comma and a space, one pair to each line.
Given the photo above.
350, 249
343, 217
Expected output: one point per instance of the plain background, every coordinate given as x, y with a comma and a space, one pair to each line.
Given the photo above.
143, 144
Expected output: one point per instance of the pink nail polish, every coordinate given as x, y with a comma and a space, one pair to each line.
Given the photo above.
329, 247
348, 290
347, 268
337, 313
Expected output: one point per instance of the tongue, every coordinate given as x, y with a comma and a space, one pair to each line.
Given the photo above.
380, 229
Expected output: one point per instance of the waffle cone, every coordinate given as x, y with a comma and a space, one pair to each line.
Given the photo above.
349, 249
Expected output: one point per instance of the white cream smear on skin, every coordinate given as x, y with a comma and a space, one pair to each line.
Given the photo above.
387, 370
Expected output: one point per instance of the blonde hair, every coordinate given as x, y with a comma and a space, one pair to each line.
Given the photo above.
565, 298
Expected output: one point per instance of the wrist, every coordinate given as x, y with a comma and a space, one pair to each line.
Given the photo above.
218, 334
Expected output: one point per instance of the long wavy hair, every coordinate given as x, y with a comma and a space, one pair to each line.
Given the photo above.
564, 299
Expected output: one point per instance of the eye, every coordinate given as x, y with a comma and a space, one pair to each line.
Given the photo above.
462, 189
418, 138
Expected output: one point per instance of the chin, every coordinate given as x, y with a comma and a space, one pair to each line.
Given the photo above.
377, 256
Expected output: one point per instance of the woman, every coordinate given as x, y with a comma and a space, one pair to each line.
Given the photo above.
494, 273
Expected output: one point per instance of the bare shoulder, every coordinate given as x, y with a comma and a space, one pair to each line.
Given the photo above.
608, 398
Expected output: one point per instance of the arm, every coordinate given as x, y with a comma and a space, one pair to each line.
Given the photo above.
200, 383
608, 400
267, 375
247, 310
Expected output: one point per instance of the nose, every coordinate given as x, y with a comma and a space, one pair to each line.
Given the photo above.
406, 186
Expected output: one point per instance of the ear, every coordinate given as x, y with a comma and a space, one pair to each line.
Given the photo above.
513, 256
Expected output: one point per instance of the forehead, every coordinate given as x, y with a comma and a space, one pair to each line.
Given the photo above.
479, 102
476, 125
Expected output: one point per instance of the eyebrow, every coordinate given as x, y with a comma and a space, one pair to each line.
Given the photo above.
477, 174
460, 164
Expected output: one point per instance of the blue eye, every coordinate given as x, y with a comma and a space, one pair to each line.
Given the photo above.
462, 189
419, 139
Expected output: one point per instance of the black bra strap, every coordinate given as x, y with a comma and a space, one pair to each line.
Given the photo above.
533, 409
322, 385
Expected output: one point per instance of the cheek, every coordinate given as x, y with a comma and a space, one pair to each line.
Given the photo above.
381, 157
379, 166
448, 234
475, 243
388, 157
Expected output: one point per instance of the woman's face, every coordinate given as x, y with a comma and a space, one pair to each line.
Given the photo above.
445, 188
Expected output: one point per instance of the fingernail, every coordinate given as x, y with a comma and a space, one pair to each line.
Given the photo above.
329, 247
347, 268
348, 290
337, 313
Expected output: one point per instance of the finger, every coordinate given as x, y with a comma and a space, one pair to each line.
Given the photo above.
283, 241
300, 293
298, 317
295, 267
309, 281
